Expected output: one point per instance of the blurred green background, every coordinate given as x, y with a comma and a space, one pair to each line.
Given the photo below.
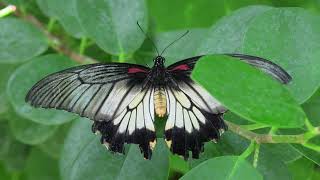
44, 36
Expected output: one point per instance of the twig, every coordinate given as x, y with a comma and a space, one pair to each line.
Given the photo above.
267, 138
55, 42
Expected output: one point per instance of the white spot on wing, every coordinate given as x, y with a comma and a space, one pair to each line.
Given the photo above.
124, 123
140, 117
199, 115
182, 98
194, 120
187, 121
147, 114
179, 116
118, 119
132, 122
171, 118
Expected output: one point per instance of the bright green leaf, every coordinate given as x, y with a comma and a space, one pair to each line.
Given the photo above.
289, 37
248, 92
113, 23
25, 77
224, 167
83, 156
20, 41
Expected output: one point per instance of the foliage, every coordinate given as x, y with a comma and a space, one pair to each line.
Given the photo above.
273, 128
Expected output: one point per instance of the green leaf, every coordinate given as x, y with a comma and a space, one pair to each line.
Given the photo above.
224, 167
65, 12
3, 172
172, 14
284, 152
5, 72
289, 37
113, 23
311, 107
228, 34
248, 92
20, 41
39, 166
271, 167
229, 144
25, 77
53, 146
301, 168
29, 132
83, 156
308, 153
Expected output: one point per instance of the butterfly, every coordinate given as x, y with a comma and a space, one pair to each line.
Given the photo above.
124, 100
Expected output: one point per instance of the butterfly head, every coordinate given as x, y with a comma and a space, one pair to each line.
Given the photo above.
159, 61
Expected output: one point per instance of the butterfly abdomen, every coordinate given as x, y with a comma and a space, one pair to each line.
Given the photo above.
160, 102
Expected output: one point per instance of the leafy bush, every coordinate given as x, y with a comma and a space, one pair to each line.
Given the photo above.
273, 129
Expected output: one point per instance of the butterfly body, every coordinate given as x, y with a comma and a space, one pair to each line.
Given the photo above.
123, 100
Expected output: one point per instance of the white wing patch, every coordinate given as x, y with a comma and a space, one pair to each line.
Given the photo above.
137, 114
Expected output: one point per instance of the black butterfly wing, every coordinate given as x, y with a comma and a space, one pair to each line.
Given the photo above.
113, 95
195, 117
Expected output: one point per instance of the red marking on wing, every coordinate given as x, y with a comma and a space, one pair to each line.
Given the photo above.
136, 70
182, 67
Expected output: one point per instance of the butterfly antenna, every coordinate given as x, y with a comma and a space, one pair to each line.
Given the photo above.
148, 37
174, 41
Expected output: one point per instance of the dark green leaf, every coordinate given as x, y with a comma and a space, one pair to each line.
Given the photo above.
25, 77
83, 156
224, 167
41, 167
272, 168
113, 23
248, 92
289, 37
301, 168
20, 41
308, 153
283, 152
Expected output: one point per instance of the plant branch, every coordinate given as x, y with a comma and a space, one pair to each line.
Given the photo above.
55, 42
268, 138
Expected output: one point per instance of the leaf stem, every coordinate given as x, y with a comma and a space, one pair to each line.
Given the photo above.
268, 138
51, 24
7, 10
256, 155
83, 45
248, 151
308, 124
312, 146
254, 126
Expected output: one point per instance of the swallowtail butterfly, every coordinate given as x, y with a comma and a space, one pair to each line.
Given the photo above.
123, 100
